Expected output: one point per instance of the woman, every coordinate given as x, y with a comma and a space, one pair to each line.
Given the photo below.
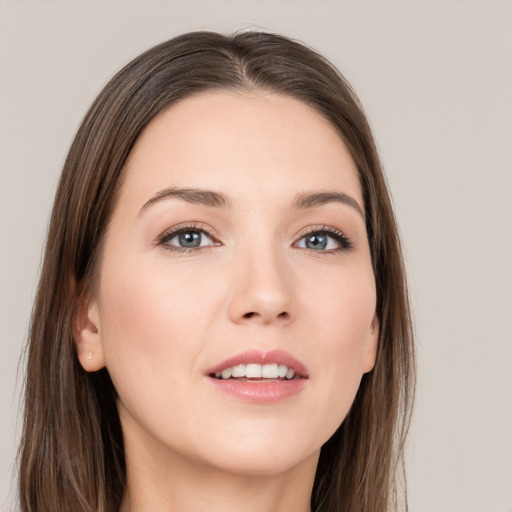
222, 318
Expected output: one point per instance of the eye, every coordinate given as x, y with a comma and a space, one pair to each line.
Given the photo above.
186, 238
326, 239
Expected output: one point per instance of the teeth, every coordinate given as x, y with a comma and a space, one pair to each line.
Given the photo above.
238, 370
253, 371
270, 371
282, 371
257, 371
226, 373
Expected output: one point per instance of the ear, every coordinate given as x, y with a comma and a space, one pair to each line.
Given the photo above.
87, 335
372, 342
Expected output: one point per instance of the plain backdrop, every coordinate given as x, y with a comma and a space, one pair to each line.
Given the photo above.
436, 80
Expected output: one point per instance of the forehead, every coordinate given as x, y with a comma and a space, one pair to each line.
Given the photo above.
244, 144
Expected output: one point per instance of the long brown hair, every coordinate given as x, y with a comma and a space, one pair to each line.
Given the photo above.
71, 455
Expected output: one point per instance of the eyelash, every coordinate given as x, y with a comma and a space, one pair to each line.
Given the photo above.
345, 244
176, 231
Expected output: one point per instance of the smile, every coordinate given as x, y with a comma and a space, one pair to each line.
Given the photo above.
259, 377
256, 371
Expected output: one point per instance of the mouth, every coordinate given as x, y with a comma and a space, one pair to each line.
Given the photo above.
256, 372
260, 377
258, 365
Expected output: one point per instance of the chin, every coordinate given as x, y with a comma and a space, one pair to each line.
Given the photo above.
266, 463
260, 453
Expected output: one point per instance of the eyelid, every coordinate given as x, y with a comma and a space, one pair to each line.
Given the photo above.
343, 240
183, 227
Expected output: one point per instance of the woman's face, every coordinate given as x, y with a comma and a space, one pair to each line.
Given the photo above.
238, 238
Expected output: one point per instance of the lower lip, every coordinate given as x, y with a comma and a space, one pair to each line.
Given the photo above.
261, 392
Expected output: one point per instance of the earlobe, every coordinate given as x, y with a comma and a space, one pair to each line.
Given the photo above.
372, 342
87, 334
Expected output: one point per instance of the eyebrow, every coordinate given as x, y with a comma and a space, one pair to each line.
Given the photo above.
307, 200
302, 201
191, 195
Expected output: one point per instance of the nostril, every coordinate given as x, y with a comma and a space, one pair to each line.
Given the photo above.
284, 315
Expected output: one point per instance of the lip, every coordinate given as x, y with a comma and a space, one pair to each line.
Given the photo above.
259, 357
265, 391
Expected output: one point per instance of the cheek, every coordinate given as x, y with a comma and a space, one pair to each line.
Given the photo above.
149, 304
151, 321
355, 313
343, 311
343, 327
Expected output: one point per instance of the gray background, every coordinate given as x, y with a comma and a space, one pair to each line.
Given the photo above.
436, 81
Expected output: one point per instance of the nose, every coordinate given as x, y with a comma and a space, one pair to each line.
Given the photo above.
262, 290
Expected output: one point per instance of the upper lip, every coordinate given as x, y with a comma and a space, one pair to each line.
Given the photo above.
259, 357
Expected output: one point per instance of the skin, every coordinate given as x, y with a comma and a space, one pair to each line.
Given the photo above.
160, 318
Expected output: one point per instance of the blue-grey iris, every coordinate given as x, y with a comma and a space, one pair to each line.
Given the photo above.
190, 239
316, 242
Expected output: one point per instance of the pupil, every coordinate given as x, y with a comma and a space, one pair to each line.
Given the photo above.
190, 239
316, 242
